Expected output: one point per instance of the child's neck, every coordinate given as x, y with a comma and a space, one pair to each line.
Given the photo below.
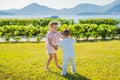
66, 37
54, 31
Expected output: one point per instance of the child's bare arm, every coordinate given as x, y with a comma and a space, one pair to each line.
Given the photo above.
50, 42
56, 47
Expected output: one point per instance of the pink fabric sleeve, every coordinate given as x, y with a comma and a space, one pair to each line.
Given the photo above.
60, 35
48, 35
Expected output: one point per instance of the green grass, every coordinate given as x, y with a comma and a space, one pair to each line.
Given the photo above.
26, 61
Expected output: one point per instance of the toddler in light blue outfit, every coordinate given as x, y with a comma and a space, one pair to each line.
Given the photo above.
67, 45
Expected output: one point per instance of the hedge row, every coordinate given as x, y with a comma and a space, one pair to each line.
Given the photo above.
77, 30
100, 21
45, 21
34, 22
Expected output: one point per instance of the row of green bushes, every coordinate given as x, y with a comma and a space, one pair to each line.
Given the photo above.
101, 27
15, 31
77, 30
45, 21
34, 22
92, 30
100, 21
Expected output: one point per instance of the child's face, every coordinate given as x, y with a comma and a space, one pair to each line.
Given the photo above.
54, 28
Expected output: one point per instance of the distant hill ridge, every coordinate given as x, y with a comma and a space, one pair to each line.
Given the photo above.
81, 9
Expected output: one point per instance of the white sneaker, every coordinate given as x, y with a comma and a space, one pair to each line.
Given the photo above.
74, 72
63, 74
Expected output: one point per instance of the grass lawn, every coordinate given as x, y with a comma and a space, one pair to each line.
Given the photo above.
26, 61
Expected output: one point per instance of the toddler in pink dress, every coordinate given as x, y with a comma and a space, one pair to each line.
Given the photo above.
52, 39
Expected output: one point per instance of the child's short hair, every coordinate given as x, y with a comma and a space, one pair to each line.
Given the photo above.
66, 32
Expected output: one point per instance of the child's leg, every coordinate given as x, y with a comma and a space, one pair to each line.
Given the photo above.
72, 63
48, 61
55, 59
64, 66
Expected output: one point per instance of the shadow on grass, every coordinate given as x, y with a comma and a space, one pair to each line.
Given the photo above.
72, 76
102, 40
21, 42
75, 77
78, 41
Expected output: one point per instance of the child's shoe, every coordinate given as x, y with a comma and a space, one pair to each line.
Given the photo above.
62, 74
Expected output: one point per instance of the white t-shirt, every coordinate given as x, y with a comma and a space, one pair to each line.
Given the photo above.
67, 45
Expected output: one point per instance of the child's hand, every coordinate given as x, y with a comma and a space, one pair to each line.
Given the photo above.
56, 47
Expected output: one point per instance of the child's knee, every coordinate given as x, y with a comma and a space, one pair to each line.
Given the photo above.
54, 54
50, 57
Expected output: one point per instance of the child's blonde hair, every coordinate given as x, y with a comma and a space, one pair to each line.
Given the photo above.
52, 23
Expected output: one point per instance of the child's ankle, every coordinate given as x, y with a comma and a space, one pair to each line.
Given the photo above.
46, 68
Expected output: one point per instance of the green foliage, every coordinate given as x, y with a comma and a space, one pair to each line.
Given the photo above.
43, 30
118, 32
0, 31
7, 38
100, 21
107, 31
34, 22
95, 28
38, 38
17, 38
91, 30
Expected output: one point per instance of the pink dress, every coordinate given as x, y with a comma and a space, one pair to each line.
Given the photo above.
55, 36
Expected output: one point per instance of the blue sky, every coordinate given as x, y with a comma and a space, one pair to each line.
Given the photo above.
57, 4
